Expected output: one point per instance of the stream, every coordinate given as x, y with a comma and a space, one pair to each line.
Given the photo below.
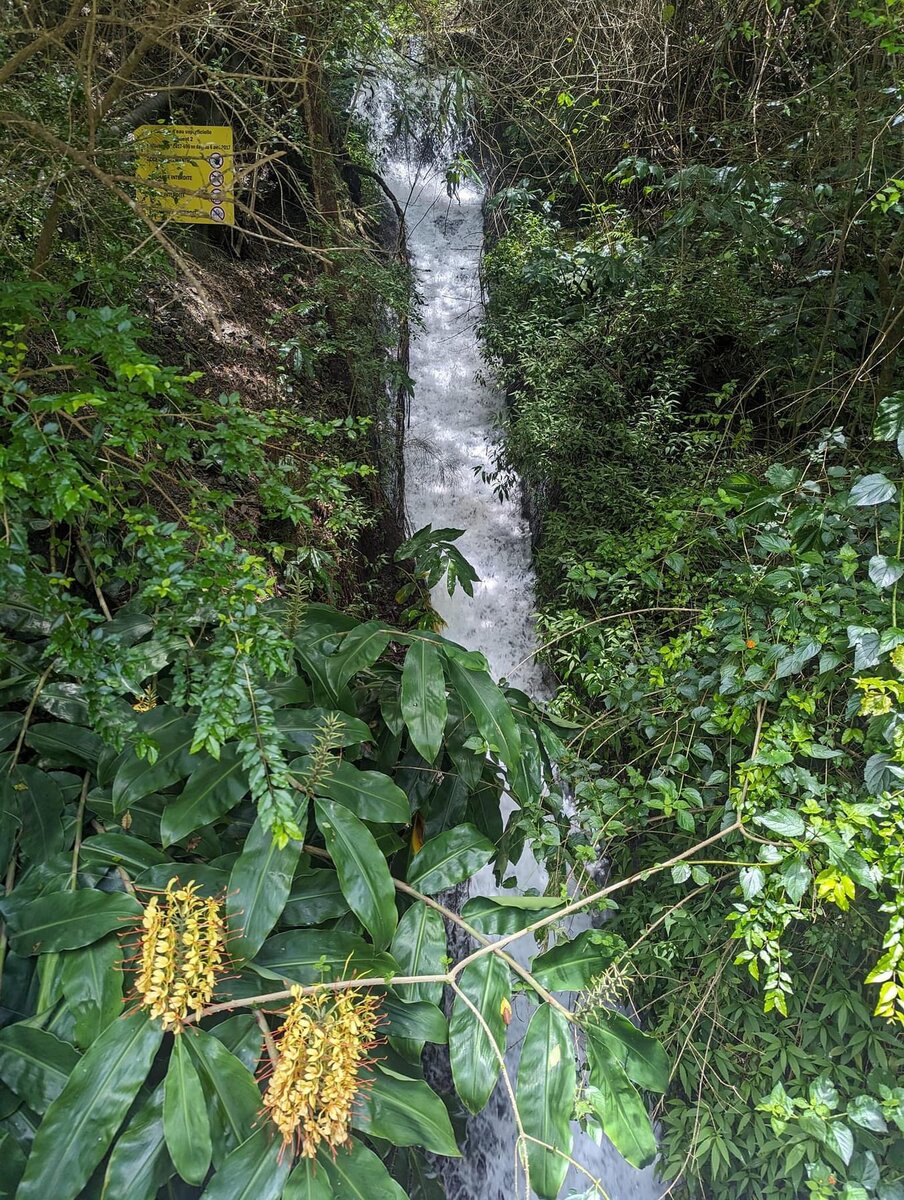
448, 444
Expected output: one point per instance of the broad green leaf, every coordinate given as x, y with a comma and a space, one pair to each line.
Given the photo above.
547, 1080
571, 965
885, 571
371, 795
475, 1063
10, 724
233, 1099
35, 1064
63, 743
82, 1122
67, 920
185, 1123
315, 896
256, 1170
12, 1164
423, 698
490, 709
259, 887
783, 821
40, 804
92, 979
619, 1108
301, 726
135, 777
501, 915
449, 858
796, 877
644, 1060
793, 663
210, 881
363, 873
359, 649
872, 489
241, 1035
419, 947
840, 1140
121, 850
139, 1165
309, 1181
359, 1174
406, 1112
298, 953
416, 1020
753, 880
867, 1113
211, 791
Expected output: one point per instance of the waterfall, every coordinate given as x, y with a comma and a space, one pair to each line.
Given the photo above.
448, 446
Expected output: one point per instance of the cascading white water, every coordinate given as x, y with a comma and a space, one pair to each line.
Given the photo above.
448, 445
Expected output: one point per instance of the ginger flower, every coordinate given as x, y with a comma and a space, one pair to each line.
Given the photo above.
323, 1043
183, 951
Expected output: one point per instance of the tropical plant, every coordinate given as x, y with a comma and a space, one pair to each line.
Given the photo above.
155, 929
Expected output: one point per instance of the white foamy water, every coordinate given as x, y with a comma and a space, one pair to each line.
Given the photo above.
448, 443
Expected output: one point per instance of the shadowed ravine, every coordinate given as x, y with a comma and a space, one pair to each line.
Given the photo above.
448, 443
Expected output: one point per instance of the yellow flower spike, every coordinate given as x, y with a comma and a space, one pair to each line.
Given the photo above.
182, 953
323, 1043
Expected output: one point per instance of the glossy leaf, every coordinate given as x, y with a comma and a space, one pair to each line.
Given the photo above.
12, 1164
133, 854
40, 804
475, 1063
571, 965
259, 887
371, 795
419, 947
309, 1181
71, 745
315, 896
82, 1122
140, 1165
301, 726
363, 873
619, 1107
545, 1092
256, 1170
359, 649
406, 1112
135, 777
644, 1060
67, 920
423, 698
233, 1099
91, 979
416, 1020
185, 1123
359, 1174
35, 1064
449, 858
490, 709
210, 792
241, 1035
501, 915
297, 955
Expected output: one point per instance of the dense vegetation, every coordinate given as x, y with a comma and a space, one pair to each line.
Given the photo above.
695, 304
239, 769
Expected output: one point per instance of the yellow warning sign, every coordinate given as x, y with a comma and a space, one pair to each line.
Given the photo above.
187, 173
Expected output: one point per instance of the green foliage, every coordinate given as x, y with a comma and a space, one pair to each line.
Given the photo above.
120, 488
768, 720
99, 1094
432, 556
